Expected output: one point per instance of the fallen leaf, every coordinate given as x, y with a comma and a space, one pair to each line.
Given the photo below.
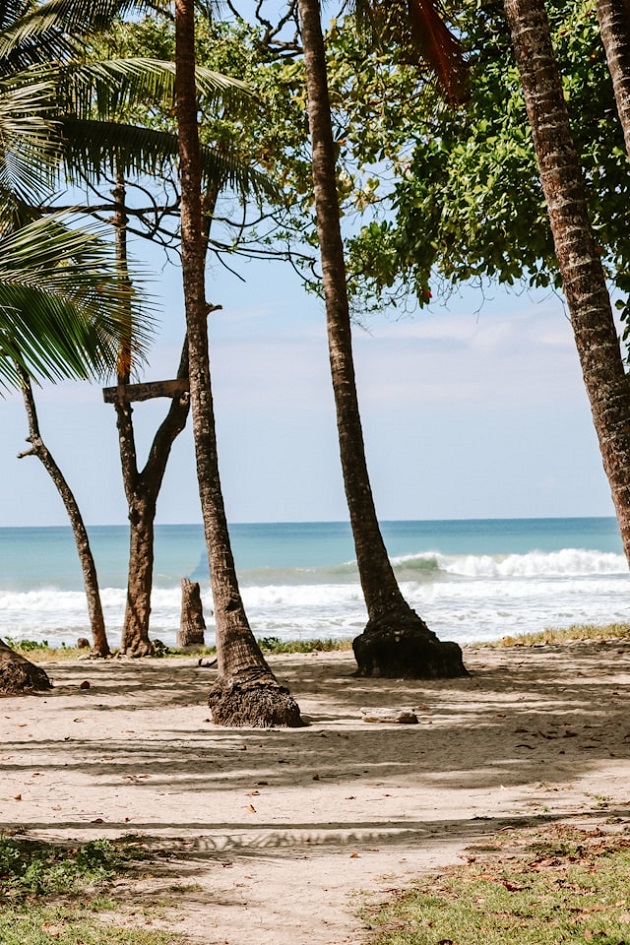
18, 797
251, 809
354, 856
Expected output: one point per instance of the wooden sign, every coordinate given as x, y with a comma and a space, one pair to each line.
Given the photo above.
126, 392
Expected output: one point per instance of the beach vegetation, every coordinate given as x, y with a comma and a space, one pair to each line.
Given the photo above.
59, 893
576, 633
542, 888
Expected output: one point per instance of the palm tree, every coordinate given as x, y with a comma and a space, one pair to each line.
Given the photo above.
246, 692
396, 641
63, 308
614, 25
72, 101
579, 262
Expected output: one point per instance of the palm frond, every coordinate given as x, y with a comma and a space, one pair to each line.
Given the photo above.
101, 149
420, 30
108, 86
64, 307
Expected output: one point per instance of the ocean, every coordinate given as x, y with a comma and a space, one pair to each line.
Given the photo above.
471, 580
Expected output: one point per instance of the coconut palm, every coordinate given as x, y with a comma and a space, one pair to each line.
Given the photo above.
396, 641
583, 279
246, 692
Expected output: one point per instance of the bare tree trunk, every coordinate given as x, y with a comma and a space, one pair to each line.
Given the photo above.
142, 488
580, 267
88, 567
18, 675
396, 641
247, 692
614, 25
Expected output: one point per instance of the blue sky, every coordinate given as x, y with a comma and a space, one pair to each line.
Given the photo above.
472, 411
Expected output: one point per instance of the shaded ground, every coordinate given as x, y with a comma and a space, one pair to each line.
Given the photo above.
275, 833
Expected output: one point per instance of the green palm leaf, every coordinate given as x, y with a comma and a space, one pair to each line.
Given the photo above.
63, 306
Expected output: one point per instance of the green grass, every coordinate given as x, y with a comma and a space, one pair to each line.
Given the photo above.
41, 652
54, 894
578, 633
567, 886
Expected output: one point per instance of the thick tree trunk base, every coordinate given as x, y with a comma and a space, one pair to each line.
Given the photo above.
136, 649
403, 647
18, 676
253, 703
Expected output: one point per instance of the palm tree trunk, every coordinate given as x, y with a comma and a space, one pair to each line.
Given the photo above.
396, 641
247, 692
578, 260
614, 25
100, 646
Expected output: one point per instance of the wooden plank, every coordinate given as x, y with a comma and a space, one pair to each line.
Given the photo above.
127, 392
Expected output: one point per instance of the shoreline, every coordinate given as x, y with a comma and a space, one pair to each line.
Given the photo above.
263, 820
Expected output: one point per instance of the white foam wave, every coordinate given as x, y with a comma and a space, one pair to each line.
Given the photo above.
566, 563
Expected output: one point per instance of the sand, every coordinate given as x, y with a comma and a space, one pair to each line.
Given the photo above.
279, 836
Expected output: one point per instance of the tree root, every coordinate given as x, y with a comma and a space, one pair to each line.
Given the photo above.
402, 647
257, 703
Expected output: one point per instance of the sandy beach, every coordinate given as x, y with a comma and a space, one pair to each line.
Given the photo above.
277, 837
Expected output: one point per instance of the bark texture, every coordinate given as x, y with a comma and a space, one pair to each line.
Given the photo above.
614, 25
578, 260
390, 616
192, 625
18, 676
142, 487
39, 449
239, 697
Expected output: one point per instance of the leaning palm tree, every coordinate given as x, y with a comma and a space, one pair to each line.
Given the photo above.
63, 308
246, 693
581, 270
396, 641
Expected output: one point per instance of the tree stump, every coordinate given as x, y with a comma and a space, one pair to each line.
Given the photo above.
192, 626
403, 647
19, 676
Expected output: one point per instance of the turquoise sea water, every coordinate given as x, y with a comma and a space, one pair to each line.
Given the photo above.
470, 580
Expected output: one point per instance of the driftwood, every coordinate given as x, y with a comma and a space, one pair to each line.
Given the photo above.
193, 626
399, 716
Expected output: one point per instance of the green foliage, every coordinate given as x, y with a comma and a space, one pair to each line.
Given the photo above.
566, 886
468, 204
44, 869
275, 645
578, 633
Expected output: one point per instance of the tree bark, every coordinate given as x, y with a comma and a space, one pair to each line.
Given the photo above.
247, 692
38, 448
578, 260
142, 488
614, 25
192, 625
18, 676
379, 650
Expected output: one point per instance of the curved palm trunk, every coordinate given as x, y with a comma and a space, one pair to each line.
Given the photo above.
247, 692
396, 640
614, 25
580, 267
88, 567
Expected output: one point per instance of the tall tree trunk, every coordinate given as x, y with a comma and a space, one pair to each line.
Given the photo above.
578, 260
396, 641
142, 488
247, 692
88, 567
614, 25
